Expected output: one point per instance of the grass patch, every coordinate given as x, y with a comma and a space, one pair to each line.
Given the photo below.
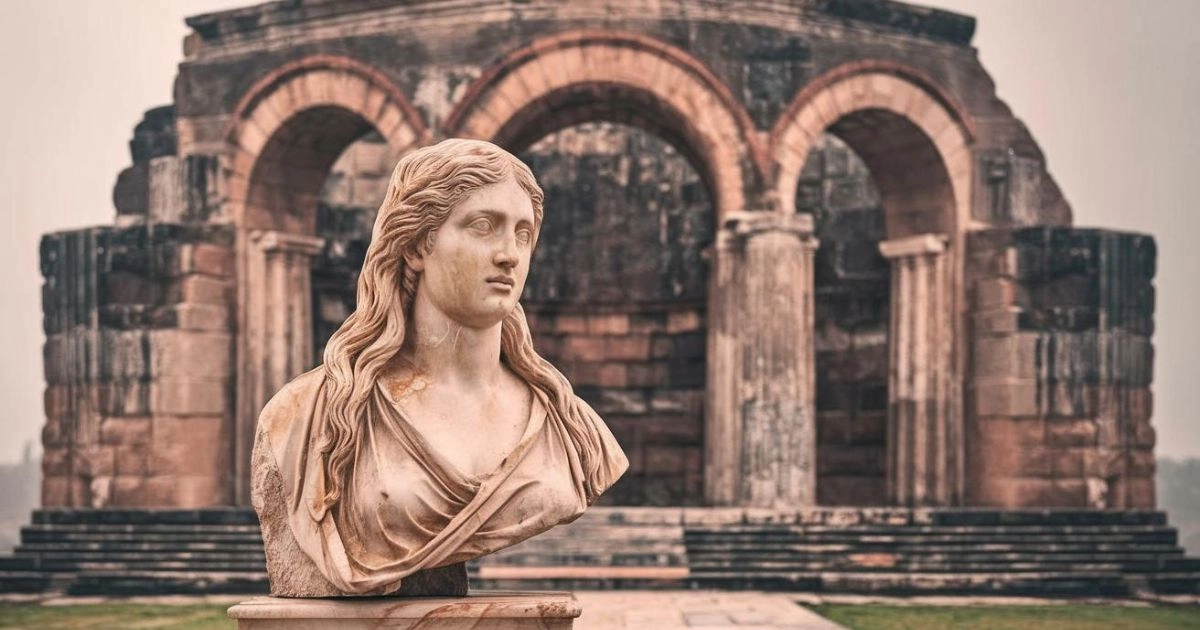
123, 616
1064, 617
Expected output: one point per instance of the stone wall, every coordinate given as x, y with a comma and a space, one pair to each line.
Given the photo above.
138, 360
1059, 395
617, 293
851, 325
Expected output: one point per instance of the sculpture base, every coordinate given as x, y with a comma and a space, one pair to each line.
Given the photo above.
479, 610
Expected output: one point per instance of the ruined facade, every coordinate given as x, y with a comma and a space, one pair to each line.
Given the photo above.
796, 253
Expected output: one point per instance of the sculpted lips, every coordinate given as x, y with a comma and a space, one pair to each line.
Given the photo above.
502, 280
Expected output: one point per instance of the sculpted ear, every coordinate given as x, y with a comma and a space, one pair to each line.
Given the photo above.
415, 260
415, 256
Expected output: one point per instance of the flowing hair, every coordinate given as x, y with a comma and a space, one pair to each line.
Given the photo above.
425, 187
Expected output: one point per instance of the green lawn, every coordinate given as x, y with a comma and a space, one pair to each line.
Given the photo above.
1065, 617
120, 616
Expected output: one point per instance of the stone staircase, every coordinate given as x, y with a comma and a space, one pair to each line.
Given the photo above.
1048, 553
138, 552
861, 550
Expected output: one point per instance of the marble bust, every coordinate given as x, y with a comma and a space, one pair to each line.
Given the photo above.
432, 433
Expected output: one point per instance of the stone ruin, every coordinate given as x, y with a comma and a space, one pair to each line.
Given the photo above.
798, 254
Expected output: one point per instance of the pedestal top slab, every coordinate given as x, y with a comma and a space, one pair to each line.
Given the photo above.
494, 605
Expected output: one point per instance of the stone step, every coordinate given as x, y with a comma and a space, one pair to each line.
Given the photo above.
767, 556
196, 566
153, 528
1048, 517
1175, 583
904, 564
25, 581
1030, 583
203, 517
1168, 538
123, 582
1182, 565
163, 547
579, 559
822, 548
139, 556
981, 530
213, 537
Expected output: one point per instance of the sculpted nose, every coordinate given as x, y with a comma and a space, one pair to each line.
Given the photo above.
506, 257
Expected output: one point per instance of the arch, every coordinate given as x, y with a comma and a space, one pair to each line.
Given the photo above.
926, 120
283, 137
293, 123
915, 139
592, 73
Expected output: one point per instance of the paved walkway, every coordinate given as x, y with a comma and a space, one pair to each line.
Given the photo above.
670, 610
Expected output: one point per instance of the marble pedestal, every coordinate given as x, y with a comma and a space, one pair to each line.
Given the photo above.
483, 610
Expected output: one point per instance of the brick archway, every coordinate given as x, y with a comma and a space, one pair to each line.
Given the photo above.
293, 123
578, 76
283, 138
913, 114
916, 142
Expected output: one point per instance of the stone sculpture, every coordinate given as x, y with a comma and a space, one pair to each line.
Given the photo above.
433, 433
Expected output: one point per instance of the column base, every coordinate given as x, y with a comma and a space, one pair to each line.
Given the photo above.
480, 610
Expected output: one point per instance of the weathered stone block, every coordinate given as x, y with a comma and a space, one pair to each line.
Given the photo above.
612, 324
665, 460
187, 446
127, 431
56, 491
997, 293
685, 321
1007, 398
132, 460
190, 354
627, 348
196, 317
189, 397
197, 289
1071, 433
207, 259
621, 401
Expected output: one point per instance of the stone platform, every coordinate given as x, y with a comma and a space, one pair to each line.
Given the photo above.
497, 610
1067, 553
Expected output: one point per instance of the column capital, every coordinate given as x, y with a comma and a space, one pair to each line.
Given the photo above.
742, 226
276, 241
918, 245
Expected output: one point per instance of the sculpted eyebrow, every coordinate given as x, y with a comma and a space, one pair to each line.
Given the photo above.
495, 215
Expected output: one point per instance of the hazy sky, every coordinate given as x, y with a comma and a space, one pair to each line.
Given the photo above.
1111, 91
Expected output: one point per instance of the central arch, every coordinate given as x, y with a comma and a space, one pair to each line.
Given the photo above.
574, 76
566, 80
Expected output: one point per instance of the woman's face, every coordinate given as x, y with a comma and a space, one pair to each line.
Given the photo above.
476, 269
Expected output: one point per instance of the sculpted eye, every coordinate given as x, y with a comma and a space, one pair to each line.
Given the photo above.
481, 225
524, 236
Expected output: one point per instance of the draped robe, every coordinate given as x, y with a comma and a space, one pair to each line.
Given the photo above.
405, 508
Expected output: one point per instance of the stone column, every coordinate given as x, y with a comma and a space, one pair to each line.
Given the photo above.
760, 427
276, 340
920, 434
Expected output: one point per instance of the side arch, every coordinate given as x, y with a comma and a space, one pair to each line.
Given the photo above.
909, 96
282, 139
291, 125
587, 72
916, 141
